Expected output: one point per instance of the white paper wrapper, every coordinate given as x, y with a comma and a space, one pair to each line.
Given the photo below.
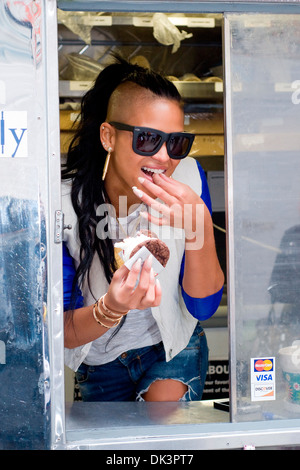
143, 253
129, 243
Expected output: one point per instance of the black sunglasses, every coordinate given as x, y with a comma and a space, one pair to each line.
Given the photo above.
147, 141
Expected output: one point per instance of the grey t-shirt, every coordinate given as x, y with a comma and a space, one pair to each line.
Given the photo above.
140, 328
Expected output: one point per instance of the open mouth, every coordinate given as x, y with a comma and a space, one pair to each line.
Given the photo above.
151, 171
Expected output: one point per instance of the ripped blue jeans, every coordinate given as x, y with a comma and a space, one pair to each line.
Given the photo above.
129, 376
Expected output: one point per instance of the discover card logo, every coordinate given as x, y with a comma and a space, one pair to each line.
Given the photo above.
13, 134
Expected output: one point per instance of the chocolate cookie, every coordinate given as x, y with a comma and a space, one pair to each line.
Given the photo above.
158, 249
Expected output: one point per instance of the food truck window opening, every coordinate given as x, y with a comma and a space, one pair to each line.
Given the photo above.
201, 85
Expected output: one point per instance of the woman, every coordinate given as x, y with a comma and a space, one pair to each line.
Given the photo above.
126, 167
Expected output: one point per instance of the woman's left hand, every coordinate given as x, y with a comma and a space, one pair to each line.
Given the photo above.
181, 207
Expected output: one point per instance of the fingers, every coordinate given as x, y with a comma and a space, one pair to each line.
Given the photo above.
149, 288
167, 189
163, 209
137, 287
158, 293
155, 205
174, 196
133, 275
147, 279
160, 188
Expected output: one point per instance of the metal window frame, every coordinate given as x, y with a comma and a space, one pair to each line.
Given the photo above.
184, 436
215, 6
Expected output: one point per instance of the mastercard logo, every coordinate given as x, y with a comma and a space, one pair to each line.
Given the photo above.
261, 365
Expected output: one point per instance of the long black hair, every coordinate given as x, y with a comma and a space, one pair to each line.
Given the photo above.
86, 157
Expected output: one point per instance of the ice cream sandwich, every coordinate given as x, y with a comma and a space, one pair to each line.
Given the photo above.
141, 246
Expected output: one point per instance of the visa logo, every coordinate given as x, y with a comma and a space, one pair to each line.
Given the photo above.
264, 377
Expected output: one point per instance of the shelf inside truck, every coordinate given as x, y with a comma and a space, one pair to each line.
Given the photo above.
196, 91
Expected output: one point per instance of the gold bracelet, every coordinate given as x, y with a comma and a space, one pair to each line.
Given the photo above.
102, 314
110, 312
100, 322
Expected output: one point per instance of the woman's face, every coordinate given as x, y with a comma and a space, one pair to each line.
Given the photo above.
125, 165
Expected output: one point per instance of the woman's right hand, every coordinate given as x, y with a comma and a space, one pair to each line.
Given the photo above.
125, 293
